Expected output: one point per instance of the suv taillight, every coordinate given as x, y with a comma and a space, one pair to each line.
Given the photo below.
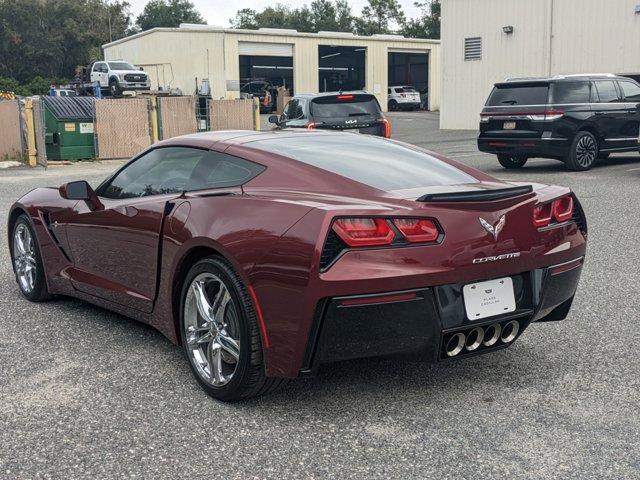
547, 115
386, 128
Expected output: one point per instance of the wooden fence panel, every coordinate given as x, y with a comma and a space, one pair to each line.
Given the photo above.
38, 123
177, 116
231, 114
10, 131
122, 127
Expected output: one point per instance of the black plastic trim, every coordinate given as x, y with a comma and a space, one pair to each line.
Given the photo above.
482, 195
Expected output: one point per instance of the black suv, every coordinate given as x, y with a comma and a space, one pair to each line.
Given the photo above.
352, 111
573, 118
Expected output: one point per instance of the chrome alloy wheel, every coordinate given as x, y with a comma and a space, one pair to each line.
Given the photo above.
586, 151
211, 329
24, 258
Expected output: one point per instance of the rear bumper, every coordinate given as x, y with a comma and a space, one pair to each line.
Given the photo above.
420, 322
550, 147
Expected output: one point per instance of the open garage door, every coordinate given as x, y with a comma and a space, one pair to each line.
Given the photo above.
265, 67
410, 67
341, 68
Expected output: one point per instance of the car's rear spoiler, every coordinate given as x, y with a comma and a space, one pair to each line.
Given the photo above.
477, 196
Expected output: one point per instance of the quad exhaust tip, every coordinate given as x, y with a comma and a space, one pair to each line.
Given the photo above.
487, 336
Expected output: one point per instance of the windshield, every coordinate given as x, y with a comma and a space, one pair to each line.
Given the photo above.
347, 105
121, 66
506, 94
373, 161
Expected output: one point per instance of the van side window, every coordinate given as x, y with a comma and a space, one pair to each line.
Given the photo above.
631, 91
607, 91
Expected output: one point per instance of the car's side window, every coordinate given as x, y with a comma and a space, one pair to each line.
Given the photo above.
295, 112
607, 91
97, 67
631, 91
179, 169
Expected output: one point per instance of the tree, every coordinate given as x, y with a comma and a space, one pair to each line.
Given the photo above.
168, 13
50, 38
321, 15
427, 25
377, 16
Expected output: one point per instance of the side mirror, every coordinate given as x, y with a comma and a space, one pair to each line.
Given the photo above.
274, 119
80, 190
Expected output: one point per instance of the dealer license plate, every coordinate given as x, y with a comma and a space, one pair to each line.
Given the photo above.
490, 298
509, 125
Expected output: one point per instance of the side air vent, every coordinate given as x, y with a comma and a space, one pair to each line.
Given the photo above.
579, 217
333, 247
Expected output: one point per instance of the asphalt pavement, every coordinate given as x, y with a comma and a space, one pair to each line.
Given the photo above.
85, 393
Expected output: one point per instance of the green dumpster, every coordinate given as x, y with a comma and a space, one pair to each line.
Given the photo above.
69, 127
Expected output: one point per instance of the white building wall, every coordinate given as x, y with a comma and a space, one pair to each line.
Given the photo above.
213, 54
549, 37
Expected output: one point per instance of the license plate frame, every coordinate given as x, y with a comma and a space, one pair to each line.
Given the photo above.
509, 125
489, 298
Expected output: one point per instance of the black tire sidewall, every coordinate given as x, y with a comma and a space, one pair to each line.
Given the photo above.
393, 105
220, 268
512, 161
114, 89
572, 161
39, 291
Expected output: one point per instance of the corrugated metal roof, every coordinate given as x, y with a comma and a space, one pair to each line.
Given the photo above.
71, 108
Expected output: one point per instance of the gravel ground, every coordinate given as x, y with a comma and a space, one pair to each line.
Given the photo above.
85, 393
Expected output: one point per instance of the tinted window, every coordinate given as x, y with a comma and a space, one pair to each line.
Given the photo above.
121, 66
405, 90
179, 169
606, 91
98, 67
570, 92
370, 160
631, 91
294, 110
518, 95
349, 106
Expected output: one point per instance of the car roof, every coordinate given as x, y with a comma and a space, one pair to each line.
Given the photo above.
560, 78
328, 94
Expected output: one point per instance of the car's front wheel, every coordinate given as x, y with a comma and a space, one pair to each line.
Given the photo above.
27, 263
583, 153
220, 333
512, 161
114, 88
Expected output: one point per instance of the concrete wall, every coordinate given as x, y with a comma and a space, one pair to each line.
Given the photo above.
550, 37
213, 54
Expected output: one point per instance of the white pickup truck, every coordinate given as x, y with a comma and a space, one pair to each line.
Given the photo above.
118, 76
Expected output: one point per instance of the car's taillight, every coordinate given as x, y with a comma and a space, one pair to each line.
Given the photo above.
417, 229
311, 125
345, 97
542, 215
559, 210
386, 125
547, 115
364, 232
563, 208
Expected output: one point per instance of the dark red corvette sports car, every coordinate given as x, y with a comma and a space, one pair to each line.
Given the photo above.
267, 254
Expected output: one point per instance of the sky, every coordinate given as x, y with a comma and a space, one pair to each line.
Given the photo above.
218, 12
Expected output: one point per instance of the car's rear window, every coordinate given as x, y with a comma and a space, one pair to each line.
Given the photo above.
406, 90
569, 92
346, 105
373, 161
513, 94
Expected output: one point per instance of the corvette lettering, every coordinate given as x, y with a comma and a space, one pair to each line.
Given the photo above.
504, 256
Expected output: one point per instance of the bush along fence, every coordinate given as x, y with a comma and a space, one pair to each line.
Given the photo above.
42, 129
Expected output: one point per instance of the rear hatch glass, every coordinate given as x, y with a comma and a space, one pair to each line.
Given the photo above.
345, 106
507, 94
406, 90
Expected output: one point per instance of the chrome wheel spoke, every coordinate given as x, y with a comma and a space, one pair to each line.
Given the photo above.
204, 307
215, 364
229, 345
24, 259
220, 304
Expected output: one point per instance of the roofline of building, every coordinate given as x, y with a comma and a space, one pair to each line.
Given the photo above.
272, 32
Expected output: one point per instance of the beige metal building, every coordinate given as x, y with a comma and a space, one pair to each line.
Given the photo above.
232, 60
486, 41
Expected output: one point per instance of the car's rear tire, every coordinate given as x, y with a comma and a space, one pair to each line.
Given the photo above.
583, 152
220, 333
393, 105
27, 262
512, 161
